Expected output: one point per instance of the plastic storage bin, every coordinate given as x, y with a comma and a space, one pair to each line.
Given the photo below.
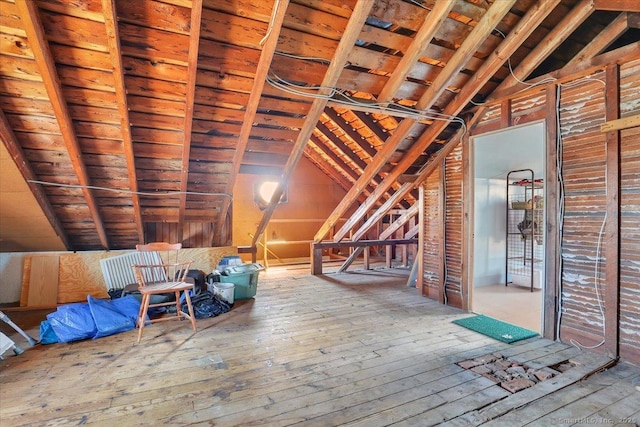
245, 279
229, 261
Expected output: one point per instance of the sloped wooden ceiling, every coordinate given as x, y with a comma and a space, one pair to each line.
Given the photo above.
120, 114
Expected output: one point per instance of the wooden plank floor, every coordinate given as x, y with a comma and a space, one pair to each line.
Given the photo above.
354, 349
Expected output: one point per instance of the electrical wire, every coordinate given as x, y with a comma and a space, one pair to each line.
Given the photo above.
335, 95
141, 193
273, 18
530, 85
307, 58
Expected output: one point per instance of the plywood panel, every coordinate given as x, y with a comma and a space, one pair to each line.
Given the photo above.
26, 272
80, 275
43, 281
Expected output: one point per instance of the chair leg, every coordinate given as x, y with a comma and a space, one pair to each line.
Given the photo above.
191, 315
178, 306
143, 313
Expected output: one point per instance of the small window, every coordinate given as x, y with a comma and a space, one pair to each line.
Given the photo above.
263, 191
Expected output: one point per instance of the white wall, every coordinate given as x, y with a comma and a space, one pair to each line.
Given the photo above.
490, 220
496, 154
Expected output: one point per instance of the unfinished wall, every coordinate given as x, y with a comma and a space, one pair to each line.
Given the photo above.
432, 245
593, 289
442, 215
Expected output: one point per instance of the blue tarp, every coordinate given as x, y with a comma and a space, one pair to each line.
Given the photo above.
94, 319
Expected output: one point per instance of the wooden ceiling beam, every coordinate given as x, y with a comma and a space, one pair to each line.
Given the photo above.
17, 154
341, 164
432, 22
353, 134
546, 46
346, 44
264, 63
42, 53
605, 38
192, 73
335, 140
115, 53
477, 36
618, 5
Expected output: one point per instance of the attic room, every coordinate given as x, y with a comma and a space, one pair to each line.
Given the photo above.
429, 164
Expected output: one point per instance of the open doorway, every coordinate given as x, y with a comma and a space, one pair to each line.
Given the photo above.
506, 229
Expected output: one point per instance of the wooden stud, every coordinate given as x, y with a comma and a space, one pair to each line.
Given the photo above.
467, 206
611, 239
552, 246
505, 113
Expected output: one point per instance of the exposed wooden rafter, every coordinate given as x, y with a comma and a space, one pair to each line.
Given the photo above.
618, 5
422, 38
348, 40
340, 164
192, 73
552, 40
35, 34
466, 50
600, 42
262, 70
115, 53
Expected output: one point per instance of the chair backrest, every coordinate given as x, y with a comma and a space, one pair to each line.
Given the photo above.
171, 269
169, 250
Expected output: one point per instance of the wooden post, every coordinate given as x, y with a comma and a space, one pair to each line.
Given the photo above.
316, 259
611, 240
467, 241
420, 251
388, 252
366, 258
552, 245
265, 250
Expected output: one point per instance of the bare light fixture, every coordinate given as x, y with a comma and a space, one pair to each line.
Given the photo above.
263, 192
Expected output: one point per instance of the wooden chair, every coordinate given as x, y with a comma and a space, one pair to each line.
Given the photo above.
164, 278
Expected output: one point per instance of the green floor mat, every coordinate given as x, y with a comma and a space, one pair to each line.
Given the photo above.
496, 329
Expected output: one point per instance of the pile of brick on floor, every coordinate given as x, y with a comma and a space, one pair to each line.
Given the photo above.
513, 376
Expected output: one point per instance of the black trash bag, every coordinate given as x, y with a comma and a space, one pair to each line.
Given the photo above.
206, 304
198, 280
